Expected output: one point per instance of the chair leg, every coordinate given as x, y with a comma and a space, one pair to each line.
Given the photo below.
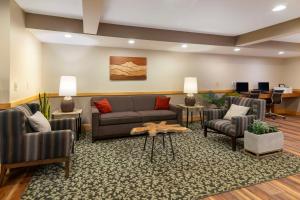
2, 174
233, 140
67, 167
205, 131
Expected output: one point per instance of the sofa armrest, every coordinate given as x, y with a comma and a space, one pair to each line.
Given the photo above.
63, 124
241, 123
95, 120
211, 114
46, 145
178, 112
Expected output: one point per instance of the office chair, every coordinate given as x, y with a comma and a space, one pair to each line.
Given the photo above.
276, 98
254, 94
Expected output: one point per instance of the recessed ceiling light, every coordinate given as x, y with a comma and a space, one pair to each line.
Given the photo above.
281, 52
236, 49
184, 45
131, 41
68, 35
279, 8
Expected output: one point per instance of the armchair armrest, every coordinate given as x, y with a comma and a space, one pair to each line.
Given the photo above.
211, 114
63, 124
178, 112
241, 123
46, 145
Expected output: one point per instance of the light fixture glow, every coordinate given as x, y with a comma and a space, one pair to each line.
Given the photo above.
68, 35
184, 45
281, 52
279, 8
237, 49
131, 41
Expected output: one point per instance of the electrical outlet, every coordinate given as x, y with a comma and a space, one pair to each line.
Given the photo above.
15, 86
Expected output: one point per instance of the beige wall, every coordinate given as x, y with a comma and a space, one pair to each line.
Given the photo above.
166, 70
4, 51
25, 57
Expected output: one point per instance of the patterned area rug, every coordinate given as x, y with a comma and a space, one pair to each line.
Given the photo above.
119, 169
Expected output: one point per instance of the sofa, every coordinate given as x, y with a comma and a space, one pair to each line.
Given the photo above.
234, 128
129, 112
20, 146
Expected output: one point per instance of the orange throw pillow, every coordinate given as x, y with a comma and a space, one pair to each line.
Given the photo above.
103, 106
162, 103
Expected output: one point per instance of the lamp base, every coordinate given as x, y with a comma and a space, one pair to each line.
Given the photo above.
190, 100
67, 105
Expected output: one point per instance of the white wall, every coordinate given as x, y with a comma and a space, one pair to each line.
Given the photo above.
4, 51
25, 57
166, 70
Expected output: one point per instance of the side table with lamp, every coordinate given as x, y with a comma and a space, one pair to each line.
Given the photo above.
67, 89
191, 88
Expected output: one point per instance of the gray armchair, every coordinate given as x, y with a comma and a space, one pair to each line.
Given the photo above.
234, 128
21, 147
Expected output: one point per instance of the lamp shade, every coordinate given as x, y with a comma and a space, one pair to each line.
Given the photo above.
190, 85
67, 86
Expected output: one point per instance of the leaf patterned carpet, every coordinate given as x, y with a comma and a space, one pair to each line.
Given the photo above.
119, 169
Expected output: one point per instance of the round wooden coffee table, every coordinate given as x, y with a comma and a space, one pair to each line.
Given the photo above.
153, 129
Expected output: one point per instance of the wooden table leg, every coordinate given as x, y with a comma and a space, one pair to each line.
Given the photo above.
145, 142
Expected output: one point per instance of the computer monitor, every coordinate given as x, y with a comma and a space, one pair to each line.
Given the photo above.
242, 87
263, 86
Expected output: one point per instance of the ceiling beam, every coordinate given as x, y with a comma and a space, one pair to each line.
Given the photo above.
92, 11
269, 33
45, 22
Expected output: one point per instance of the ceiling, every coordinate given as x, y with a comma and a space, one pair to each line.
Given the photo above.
92, 40
294, 38
224, 17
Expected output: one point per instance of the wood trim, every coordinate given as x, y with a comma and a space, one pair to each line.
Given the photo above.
269, 33
36, 162
45, 22
23, 101
5, 106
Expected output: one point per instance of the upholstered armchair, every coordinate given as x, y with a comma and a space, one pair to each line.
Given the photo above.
234, 128
22, 147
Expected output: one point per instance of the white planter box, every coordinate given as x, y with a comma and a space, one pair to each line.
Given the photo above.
265, 143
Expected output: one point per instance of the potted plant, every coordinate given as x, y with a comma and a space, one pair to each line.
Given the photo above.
261, 138
218, 100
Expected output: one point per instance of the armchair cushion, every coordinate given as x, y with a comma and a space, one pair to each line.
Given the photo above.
222, 125
39, 123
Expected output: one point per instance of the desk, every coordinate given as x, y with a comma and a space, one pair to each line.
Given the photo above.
268, 95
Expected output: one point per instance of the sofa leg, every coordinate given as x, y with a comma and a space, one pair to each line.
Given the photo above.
233, 140
67, 167
205, 131
2, 174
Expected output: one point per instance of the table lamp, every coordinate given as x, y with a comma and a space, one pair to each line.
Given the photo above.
67, 88
190, 88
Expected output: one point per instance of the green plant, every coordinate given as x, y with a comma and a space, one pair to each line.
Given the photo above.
259, 127
44, 105
217, 99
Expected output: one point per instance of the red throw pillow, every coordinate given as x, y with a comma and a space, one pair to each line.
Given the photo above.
103, 106
162, 103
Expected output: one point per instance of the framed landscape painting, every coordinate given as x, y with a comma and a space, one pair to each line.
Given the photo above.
128, 68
